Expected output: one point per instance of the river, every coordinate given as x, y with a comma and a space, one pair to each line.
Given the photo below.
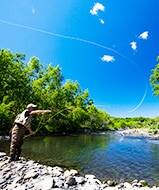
108, 156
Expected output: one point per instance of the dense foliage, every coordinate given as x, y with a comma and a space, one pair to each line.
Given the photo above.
154, 78
152, 124
23, 82
73, 110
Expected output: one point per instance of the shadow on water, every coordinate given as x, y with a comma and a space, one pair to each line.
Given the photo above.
68, 151
108, 156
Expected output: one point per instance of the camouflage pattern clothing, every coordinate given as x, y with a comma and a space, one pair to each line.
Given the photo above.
21, 123
17, 135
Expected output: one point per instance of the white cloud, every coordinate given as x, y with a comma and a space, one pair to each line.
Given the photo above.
97, 7
33, 11
101, 21
144, 35
133, 45
108, 58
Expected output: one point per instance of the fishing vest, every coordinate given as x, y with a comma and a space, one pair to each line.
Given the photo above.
23, 118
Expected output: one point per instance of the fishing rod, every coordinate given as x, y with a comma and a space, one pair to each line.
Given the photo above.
60, 112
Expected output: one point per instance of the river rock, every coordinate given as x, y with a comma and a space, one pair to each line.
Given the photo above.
2, 180
45, 184
90, 186
21, 187
88, 176
73, 172
70, 173
135, 181
66, 173
143, 183
120, 186
17, 179
3, 163
57, 171
31, 174
58, 182
111, 183
70, 180
2, 154
49, 168
134, 185
30, 163
80, 179
19, 167
103, 186
127, 185
6, 170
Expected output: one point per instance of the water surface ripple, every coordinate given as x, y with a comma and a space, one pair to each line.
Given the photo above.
107, 156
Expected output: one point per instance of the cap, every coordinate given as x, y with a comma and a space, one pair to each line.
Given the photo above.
31, 106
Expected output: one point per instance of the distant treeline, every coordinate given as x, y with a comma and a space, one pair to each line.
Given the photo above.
152, 124
73, 110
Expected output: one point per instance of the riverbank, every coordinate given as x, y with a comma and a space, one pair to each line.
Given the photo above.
134, 132
138, 132
28, 174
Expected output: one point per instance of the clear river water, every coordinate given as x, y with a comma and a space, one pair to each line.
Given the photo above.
108, 156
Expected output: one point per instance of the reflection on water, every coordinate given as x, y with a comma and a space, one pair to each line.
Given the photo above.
107, 156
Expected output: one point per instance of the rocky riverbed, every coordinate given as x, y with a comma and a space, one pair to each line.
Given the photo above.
28, 174
138, 133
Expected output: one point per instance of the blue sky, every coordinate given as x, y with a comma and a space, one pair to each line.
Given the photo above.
117, 86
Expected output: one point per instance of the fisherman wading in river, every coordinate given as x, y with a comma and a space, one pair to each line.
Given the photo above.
22, 123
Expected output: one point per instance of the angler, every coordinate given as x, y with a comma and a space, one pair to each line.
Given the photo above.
22, 123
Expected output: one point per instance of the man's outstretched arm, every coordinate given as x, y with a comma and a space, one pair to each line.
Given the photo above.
38, 112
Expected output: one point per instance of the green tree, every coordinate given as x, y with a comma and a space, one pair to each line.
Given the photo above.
154, 79
23, 82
